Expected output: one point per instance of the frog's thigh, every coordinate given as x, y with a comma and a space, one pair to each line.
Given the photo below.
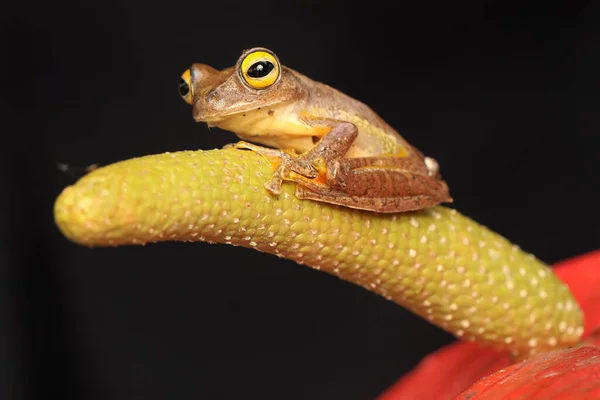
379, 182
381, 177
377, 204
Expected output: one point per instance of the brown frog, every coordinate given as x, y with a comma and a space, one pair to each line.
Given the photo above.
335, 148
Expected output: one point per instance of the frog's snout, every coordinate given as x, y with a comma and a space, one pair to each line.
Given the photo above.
203, 79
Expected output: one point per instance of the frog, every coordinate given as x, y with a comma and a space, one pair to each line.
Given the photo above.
335, 148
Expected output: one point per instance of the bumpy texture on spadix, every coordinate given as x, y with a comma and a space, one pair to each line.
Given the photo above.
438, 263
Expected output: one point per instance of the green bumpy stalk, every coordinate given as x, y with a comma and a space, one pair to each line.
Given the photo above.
436, 262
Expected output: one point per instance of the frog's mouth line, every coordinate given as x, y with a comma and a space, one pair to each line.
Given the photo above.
201, 110
211, 121
215, 119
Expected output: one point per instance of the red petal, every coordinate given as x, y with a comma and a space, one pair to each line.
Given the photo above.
443, 374
558, 375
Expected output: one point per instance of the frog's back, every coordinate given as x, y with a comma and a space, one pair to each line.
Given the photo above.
375, 137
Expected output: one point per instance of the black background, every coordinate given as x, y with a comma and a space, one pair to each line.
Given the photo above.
503, 94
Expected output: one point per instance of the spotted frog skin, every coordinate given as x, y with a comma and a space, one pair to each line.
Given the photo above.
335, 148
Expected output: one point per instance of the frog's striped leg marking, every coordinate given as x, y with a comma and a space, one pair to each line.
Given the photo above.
378, 204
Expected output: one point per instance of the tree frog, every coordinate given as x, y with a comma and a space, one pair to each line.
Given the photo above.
335, 148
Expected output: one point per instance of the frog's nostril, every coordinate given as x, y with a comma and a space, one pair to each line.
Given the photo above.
212, 95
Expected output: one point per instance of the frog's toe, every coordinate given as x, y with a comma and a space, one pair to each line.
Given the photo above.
274, 186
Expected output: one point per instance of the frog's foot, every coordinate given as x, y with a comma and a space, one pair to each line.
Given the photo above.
286, 165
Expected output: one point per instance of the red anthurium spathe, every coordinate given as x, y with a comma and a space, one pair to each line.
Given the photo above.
562, 374
559, 375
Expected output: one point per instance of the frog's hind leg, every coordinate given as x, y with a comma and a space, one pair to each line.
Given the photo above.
386, 184
403, 183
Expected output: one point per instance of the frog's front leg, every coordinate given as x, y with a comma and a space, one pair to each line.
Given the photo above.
308, 168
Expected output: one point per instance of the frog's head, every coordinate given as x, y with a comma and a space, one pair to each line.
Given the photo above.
257, 80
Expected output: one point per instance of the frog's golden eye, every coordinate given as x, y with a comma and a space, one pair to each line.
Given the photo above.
185, 87
260, 69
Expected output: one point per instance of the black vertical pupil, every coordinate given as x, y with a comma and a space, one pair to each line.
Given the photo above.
260, 69
184, 88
